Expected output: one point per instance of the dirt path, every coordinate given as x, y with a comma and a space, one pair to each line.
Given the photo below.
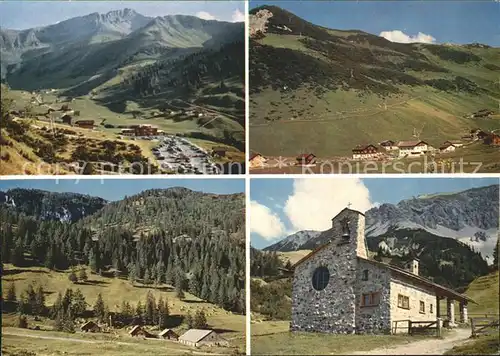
424, 347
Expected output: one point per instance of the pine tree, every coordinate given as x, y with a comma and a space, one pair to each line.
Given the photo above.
22, 322
99, 308
11, 294
57, 306
40, 301
200, 320
72, 276
17, 255
150, 309
82, 276
179, 281
189, 320
495, 255
139, 311
79, 305
147, 278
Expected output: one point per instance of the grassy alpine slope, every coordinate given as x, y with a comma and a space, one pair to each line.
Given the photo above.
122, 69
324, 91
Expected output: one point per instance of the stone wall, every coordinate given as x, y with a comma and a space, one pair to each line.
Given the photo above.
331, 310
416, 293
373, 319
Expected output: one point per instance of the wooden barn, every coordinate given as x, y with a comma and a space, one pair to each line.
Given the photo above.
90, 326
85, 124
138, 330
306, 159
200, 337
67, 119
168, 334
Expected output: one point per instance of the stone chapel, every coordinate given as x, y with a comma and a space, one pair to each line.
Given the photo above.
338, 289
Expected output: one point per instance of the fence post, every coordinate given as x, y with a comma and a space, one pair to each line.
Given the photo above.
472, 325
439, 325
409, 327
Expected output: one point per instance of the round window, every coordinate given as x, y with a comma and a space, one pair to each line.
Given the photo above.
320, 278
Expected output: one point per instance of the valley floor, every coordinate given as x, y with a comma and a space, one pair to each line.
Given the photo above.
21, 341
477, 158
273, 337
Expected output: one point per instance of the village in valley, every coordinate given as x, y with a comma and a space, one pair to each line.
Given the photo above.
156, 94
58, 120
388, 151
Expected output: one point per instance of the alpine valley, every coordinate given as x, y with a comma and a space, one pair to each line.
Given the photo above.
98, 77
163, 258
329, 92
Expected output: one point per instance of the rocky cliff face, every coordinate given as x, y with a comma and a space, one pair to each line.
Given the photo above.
470, 216
294, 241
64, 207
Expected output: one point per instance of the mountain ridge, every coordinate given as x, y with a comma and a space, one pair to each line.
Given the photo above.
470, 216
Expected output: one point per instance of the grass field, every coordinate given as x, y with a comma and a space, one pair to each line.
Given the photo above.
29, 342
293, 119
273, 338
114, 291
484, 345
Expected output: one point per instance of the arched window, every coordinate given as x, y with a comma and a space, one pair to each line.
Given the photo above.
320, 278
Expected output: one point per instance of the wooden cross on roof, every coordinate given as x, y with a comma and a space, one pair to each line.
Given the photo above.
349, 205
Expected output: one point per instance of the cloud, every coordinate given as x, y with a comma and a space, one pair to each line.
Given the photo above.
205, 15
315, 202
401, 37
238, 16
264, 222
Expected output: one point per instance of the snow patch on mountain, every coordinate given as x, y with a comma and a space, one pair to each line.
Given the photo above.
294, 241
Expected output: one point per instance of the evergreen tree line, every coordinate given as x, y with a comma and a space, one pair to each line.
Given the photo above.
192, 71
266, 264
197, 246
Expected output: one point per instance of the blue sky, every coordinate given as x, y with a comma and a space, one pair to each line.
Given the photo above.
280, 207
116, 189
446, 21
28, 14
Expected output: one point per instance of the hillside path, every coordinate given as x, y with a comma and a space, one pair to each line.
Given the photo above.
424, 347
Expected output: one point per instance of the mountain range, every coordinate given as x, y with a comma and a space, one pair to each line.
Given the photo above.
95, 43
324, 91
470, 217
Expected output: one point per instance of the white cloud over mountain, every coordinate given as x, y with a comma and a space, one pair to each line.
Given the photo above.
401, 37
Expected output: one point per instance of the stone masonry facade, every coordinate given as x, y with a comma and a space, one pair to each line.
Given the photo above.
342, 307
333, 309
377, 318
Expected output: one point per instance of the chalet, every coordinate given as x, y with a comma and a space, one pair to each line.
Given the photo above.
481, 135
306, 159
389, 145
138, 330
66, 119
201, 337
456, 143
412, 148
219, 151
90, 326
257, 160
145, 130
493, 140
447, 147
168, 334
364, 152
127, 132
85, 124
338, 289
